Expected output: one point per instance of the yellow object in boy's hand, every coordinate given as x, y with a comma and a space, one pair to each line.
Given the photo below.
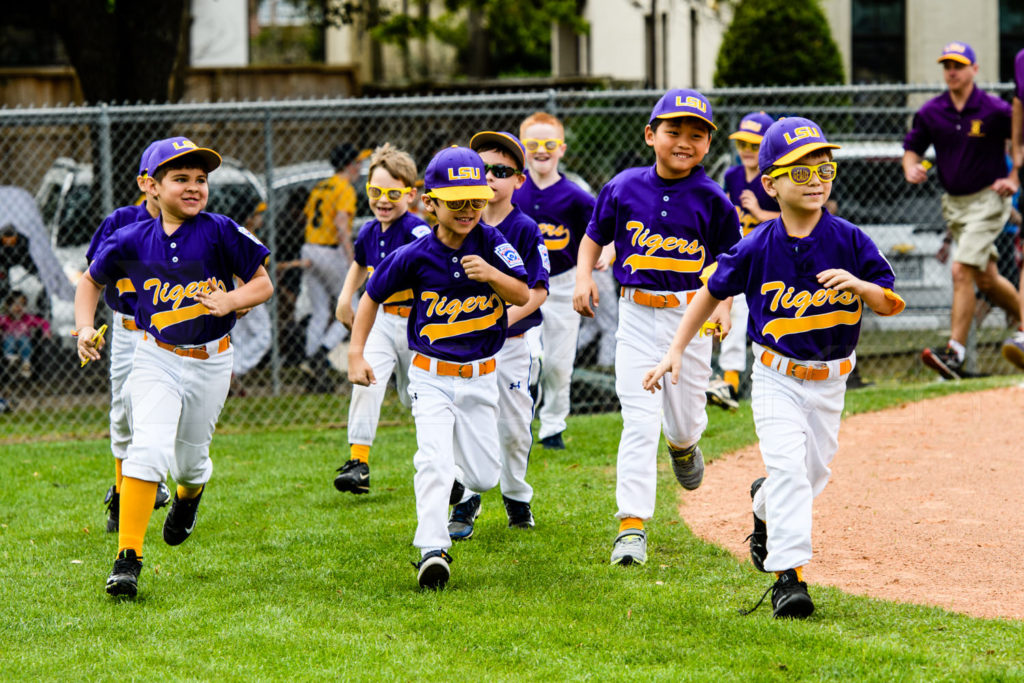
96, 339
710, 328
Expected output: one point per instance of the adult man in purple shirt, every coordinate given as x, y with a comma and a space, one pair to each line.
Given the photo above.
969, 129
1013, 348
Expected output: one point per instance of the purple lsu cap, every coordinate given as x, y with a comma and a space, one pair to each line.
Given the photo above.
173, 148
456, 173
957, 52
144, 161
753, 127
683, 102
506, 141
788, 139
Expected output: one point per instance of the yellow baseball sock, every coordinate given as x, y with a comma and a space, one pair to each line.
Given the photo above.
137, 498
186, 493
118, 477
359, 452
630, 523
799, 573
732, 377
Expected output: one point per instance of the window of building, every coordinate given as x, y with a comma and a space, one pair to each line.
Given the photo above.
878, 50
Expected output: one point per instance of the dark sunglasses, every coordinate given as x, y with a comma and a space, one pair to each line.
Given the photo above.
500, 170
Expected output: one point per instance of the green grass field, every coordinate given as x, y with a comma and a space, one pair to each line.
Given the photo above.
285, 578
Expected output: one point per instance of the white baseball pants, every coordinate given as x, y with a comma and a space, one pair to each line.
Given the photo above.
323, 281
732, 353
643, 337
174, 403
456, 427
515, 413
559, 332
387, 351
122, 351
797, 424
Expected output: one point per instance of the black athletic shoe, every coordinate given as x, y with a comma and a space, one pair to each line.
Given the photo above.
460, 523
790, 597
759, 536
688, 466
553, 442
124, 578
433, 571
113, 503
458, 491
943, 361
181, 519
163, 496
353, 476
519, 514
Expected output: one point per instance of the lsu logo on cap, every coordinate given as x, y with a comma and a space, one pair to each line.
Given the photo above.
959, 48
184, 144
801, 133
464, 173
507, 253
752, 126
691, 101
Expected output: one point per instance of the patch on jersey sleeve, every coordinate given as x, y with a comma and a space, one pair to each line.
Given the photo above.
421, 230
507, 253
249, 234
545, 258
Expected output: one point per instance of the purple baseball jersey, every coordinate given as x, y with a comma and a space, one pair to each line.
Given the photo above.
735, 183
562, 212
120, 296
167, 271
790, 311
453, 318
665, 231
373, 244
522, 232
1018, 75
969, 144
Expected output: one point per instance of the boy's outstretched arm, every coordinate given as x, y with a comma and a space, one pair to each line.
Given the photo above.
698, 310
359, 371
87, 296
356, 276
586, 288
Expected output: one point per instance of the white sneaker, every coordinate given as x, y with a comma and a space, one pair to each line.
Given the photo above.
630, 547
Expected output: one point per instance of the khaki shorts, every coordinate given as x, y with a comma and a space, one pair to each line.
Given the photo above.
975, 220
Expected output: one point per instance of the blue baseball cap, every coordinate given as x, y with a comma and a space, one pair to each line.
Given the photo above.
788, 139
174, 148
506, 141
144, 161
957, 52
456, 173
752, 127
683, 102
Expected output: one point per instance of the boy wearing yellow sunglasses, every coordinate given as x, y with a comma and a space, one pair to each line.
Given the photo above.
390, 189
807, 277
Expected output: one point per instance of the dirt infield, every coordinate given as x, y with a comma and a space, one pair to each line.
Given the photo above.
924, 505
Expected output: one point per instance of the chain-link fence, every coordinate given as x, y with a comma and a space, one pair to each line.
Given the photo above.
75, 165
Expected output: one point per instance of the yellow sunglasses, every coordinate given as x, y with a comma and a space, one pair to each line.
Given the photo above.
392, 193
801, 175
743, 144
460, 204
533, 144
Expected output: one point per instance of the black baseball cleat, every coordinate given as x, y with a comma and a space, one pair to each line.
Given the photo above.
520, 516
433, 571
458, 491
553, 442
463, 517
353, 476
790, 597
688, 466
943, 361
758, 538
124, 577
181, 519
113, 503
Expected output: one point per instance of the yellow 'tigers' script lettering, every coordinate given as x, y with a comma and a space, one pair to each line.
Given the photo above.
653, 242
438, 305
788, 298
555, 236
164, 291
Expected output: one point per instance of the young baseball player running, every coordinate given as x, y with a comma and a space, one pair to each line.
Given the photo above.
562, 209
668, 222
504, 159
754, 206
391, 190
461, 276
181, 265
124, 337
807, 277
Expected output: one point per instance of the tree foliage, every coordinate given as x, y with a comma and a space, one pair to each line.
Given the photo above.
778, 42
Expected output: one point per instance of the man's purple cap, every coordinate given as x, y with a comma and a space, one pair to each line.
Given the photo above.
456, 173
144, 161
173, 148
506, 141
683, 102
957, 52
753, 127
788, 139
